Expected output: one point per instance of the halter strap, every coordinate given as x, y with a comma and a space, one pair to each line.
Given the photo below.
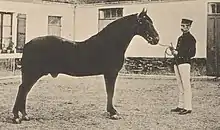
139, 19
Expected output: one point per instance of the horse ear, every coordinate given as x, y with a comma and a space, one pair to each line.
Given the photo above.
145, 10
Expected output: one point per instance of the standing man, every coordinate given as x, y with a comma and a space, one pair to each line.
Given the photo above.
185, 50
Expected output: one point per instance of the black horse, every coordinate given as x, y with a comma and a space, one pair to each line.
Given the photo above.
101, 54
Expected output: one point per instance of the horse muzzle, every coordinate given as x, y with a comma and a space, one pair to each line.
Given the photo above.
153, 41
156, 41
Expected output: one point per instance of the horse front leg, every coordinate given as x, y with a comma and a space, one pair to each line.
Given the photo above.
110, 86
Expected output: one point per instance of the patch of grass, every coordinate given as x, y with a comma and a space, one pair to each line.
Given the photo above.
80, 103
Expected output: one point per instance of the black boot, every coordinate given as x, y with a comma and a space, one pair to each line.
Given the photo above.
184, 112
177, 109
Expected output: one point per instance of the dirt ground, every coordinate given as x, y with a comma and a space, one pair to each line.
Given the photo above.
70, 103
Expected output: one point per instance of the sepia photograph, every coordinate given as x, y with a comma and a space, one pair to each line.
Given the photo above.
109, 65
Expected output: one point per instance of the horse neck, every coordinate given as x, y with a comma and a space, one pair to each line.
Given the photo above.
124, 43
122, 36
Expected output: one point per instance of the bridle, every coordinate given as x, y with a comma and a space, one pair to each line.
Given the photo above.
139, 22
163, 45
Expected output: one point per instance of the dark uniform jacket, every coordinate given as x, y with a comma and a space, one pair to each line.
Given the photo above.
186, 47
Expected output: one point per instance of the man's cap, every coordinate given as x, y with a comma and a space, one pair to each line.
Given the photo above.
186, 21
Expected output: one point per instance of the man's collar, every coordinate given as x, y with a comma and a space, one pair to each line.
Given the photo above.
186, 33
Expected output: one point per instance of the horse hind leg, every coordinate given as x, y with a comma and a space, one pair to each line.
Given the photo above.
20, 103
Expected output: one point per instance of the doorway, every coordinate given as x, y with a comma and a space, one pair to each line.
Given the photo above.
213, 40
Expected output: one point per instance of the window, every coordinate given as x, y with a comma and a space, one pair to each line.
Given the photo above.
21, 32
54, 25
214, 8
108, 15
6, 44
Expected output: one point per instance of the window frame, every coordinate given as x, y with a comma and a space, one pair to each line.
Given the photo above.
213, 10
49, 25
111, 17
2, 27
21, 16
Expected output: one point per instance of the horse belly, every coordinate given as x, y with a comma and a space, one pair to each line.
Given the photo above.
79, 68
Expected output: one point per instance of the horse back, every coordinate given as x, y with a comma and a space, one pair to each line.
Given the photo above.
52, 54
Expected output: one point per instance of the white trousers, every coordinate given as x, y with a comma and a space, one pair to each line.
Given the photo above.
184, 86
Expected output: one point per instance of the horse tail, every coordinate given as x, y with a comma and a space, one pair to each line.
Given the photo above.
25, 54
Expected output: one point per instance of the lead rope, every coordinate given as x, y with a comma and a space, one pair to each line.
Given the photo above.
166, 53
166, 50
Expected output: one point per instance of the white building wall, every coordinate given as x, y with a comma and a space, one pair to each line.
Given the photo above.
37, 17
86, 22
166, 17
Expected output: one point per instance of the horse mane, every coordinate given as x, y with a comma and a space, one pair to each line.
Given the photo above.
114, 27
118, 23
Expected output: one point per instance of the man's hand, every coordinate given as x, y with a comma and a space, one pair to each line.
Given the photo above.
171, 48
174, 52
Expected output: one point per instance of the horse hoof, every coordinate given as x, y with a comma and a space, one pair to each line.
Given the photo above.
115, 117
16, 121
26, 118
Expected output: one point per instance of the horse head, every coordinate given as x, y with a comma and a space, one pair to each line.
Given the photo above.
146, 28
